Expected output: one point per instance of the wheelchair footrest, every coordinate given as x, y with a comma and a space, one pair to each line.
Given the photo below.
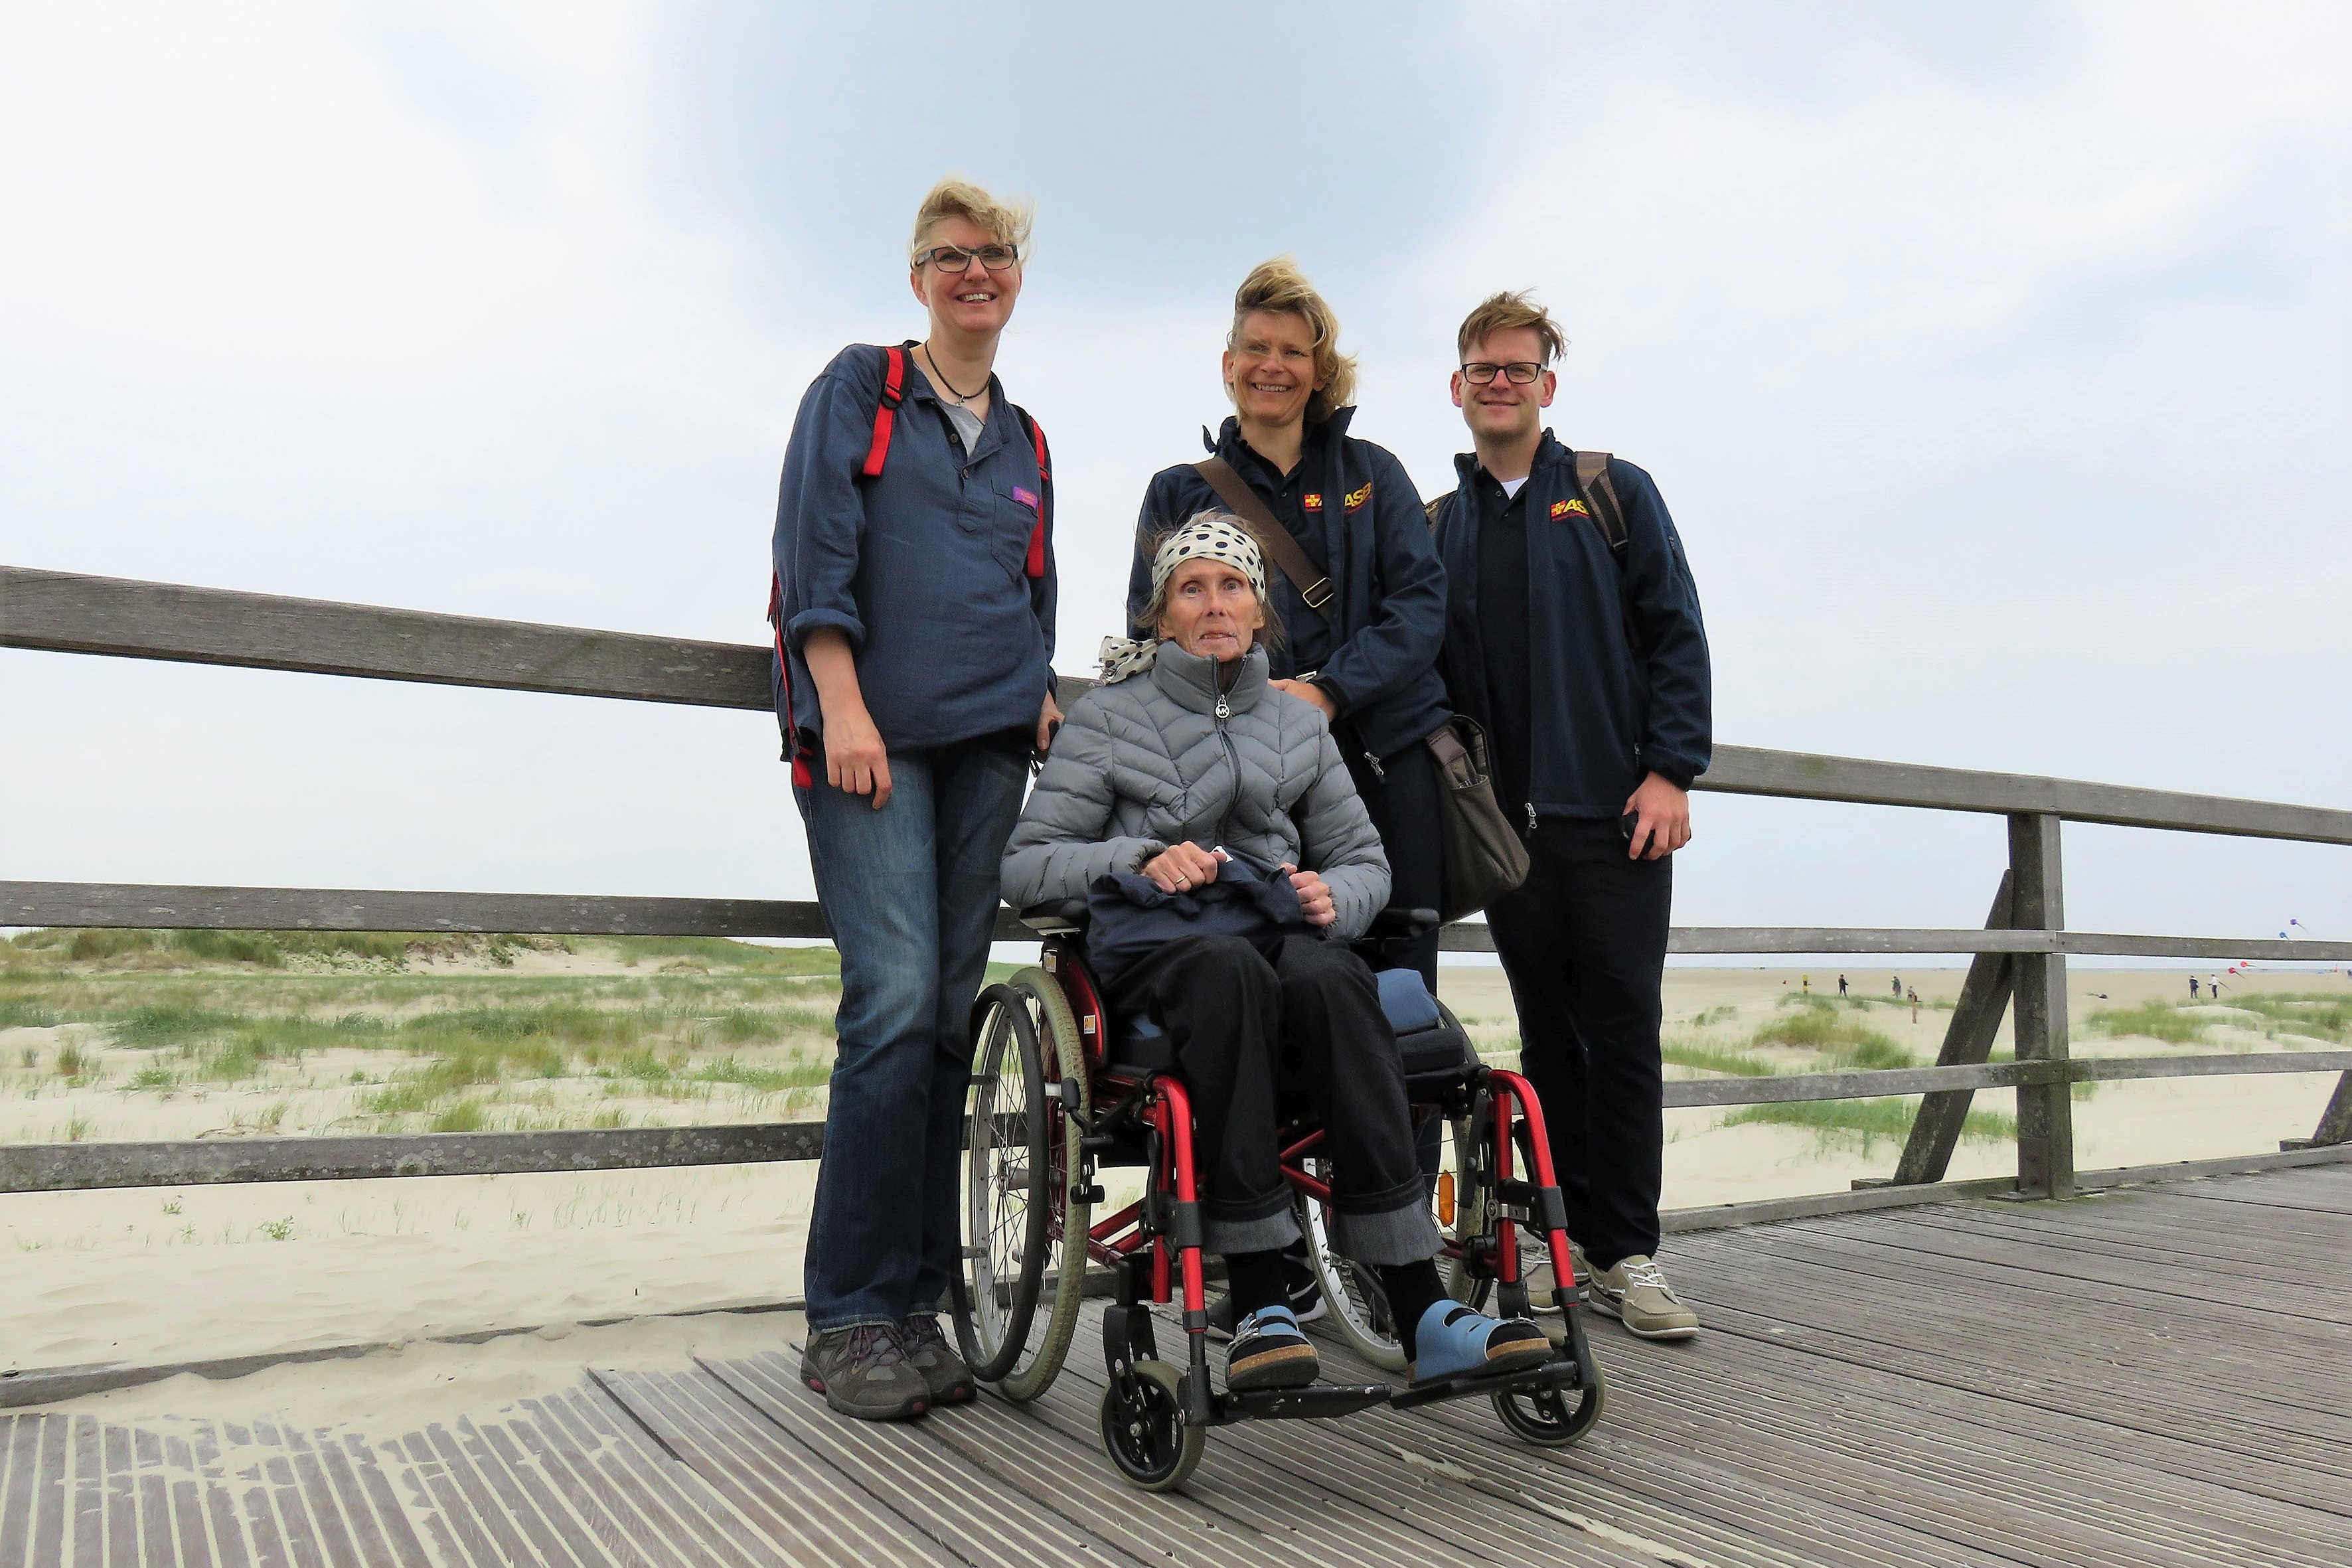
1564, 1373
1316, 1399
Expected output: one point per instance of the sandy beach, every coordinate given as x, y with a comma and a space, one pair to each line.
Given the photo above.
152, 1276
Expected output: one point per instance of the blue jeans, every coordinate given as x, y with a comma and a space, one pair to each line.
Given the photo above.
910, 891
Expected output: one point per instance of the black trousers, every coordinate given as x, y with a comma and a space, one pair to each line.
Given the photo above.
1246, 1021
1583, 940
1401, 800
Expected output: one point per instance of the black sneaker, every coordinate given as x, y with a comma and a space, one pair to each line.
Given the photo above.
1299, 1283
943, 1369
864, 1372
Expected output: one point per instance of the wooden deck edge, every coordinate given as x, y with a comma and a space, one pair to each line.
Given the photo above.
1812, 1205
19, 1390
1887, 1195
2197, 1170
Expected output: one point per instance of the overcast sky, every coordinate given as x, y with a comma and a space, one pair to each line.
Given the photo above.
1993, 360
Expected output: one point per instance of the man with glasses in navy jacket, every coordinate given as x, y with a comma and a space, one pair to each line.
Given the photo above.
1573, 633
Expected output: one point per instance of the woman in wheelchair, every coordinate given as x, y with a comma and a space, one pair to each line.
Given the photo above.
1184, 765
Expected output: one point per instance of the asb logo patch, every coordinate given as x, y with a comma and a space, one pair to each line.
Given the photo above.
1561, 508
1355, 499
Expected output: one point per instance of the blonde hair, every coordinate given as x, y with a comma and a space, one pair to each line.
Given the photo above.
1508, 312
1279, 285
1005, 221
1147, 623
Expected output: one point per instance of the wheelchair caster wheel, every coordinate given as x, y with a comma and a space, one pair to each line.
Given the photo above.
1553, 1418
1146, 1435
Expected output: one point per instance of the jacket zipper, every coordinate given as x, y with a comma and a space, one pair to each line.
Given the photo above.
1233, 761
1531, 819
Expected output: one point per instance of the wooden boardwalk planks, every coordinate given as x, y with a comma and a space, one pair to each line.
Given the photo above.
2154, 1378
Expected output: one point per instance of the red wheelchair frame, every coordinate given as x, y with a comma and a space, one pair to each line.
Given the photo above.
1154, 1415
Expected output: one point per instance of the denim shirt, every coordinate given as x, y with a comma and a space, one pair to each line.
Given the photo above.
923, 569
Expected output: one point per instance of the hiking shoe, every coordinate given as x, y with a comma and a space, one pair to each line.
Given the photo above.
1636, 1294
1304, 1296
943, 1369
1535, 1267
1269, 1352
1452, 1338
864, 1372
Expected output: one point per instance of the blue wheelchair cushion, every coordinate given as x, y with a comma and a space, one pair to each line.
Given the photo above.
1453, 1339
1406, 1001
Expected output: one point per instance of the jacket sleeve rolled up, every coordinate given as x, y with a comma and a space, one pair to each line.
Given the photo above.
1669, 636
820, 511
1058, 846
1337, 841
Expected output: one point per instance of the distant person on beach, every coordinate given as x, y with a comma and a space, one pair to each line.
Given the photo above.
1841, 986
1898, 988
1361, 628
1808, 984
914, 620
1915, 1003
2192, 988
1573, 633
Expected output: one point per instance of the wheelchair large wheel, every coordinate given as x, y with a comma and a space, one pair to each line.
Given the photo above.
1554, 1417
1065, 1242
1352, 1298
1145, 1433
1008, 1186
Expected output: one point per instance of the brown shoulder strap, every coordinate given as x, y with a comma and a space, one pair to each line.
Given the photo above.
1273, 541
1592, 481
1434, 505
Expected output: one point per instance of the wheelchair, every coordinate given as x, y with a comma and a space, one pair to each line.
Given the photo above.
1062, 1091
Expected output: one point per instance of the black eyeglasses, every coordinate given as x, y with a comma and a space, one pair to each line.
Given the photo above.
956, 258
1520, 373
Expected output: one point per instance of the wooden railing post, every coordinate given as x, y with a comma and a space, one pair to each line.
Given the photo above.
2045, 1112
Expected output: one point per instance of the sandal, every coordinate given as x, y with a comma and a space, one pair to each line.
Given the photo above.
1269, 1352
1453, 1339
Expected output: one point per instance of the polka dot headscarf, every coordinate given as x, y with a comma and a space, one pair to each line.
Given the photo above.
1211, 536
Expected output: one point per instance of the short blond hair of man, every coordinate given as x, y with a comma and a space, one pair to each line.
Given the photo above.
1007, 222
1505, 313
1279, 285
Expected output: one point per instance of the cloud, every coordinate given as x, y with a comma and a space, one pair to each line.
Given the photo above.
1993, 360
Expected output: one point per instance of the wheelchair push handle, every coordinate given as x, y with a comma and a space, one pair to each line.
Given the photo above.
1398, 923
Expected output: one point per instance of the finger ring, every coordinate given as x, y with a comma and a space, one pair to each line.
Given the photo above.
1184, 882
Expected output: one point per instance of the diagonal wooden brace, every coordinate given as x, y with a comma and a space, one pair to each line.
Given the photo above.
1968, 1041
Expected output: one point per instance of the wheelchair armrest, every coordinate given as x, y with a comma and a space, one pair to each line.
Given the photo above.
1056, 917
1399, 923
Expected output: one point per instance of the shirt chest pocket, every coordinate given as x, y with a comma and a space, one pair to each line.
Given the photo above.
1010, 522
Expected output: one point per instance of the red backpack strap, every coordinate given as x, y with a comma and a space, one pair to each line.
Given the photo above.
1036, 565
894, 393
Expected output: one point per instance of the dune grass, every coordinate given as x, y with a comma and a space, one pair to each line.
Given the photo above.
469, 1045
2317, 1014
1814, 1024
1706, 1056
1859, 1126
2157, 1020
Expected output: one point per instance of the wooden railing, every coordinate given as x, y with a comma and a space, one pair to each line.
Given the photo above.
2019, 954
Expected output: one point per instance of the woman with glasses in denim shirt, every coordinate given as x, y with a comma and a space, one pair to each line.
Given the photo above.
913, 606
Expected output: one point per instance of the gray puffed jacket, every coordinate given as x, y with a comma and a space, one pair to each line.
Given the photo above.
1162, 757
